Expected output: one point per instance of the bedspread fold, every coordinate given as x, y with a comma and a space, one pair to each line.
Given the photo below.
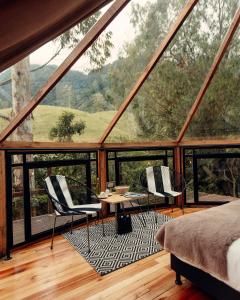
203, 238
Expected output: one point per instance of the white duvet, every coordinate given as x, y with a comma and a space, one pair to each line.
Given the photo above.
233, 265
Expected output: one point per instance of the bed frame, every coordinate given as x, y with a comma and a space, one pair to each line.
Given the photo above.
209, 284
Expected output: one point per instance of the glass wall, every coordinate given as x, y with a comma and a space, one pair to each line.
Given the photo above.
31, 212
212, 175
126, 168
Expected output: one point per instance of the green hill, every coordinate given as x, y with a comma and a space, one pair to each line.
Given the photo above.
45, 117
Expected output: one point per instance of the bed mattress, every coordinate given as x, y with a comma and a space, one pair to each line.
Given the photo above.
208, 240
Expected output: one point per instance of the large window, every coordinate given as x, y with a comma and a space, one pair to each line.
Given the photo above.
212, 175
31, 214
126, 167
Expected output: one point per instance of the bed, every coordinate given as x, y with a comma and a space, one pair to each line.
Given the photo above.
205, 248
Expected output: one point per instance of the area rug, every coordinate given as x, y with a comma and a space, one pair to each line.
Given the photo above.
111, 252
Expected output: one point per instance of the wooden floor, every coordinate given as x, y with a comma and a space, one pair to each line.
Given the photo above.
36, 272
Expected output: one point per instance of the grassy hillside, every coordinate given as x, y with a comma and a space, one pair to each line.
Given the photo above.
45, 117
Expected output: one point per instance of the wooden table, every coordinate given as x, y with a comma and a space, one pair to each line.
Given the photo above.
117, 200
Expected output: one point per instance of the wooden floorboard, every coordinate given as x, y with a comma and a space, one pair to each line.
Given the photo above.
36, 272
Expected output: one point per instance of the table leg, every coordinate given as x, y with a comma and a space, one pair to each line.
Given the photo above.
117, 211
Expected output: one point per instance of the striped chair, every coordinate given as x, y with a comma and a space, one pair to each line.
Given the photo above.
167, 183
160, 182
60, 196
154, 184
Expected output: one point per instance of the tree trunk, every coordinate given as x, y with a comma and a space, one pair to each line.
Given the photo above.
21, 94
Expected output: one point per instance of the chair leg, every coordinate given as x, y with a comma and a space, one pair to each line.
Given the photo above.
155, 213
102, 222
143, 221
53, 232
88, 234
148, 202
182, 204
71, 225
97, 219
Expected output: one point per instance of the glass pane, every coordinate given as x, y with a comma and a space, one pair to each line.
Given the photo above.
219, 179
111, 170
189, 180
218, 114
160, 107
35, 70
95, 86
18, 205
130, 172
41, 209
142, 153
57, 156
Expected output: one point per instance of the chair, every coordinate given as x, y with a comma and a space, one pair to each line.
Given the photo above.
173, 183
160, 182
57, 189
151, 181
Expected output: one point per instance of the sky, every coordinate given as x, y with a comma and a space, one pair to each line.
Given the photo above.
122, 32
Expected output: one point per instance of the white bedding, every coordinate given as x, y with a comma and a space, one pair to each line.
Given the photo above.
233, 265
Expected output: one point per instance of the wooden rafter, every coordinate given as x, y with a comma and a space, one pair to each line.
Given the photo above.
48, 145
22, 145
210, 143
79, 50
155, 58
217, 60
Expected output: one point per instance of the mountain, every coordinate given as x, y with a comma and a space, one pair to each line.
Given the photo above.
86, 92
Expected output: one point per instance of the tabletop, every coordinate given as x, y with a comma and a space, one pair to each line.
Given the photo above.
118, 198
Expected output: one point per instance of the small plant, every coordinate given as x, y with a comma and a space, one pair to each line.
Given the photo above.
66, 128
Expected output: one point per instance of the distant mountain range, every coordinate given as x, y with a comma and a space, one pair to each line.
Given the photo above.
86, 92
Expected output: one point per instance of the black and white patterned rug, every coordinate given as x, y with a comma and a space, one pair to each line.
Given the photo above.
111, 252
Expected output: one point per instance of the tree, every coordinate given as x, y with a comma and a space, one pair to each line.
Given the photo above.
20, 72
21, 94
66, 128
162, 103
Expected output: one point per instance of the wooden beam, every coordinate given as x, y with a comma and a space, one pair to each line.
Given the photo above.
155, 58
3, 213
21, 146
178, 164
83, 45
210, 143
221, 51
102, 169
48, 145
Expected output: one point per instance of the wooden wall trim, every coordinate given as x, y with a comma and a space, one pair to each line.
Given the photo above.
3, 213
21, 146
48, 145
217, 60
148, 69
78, 51
210, 143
